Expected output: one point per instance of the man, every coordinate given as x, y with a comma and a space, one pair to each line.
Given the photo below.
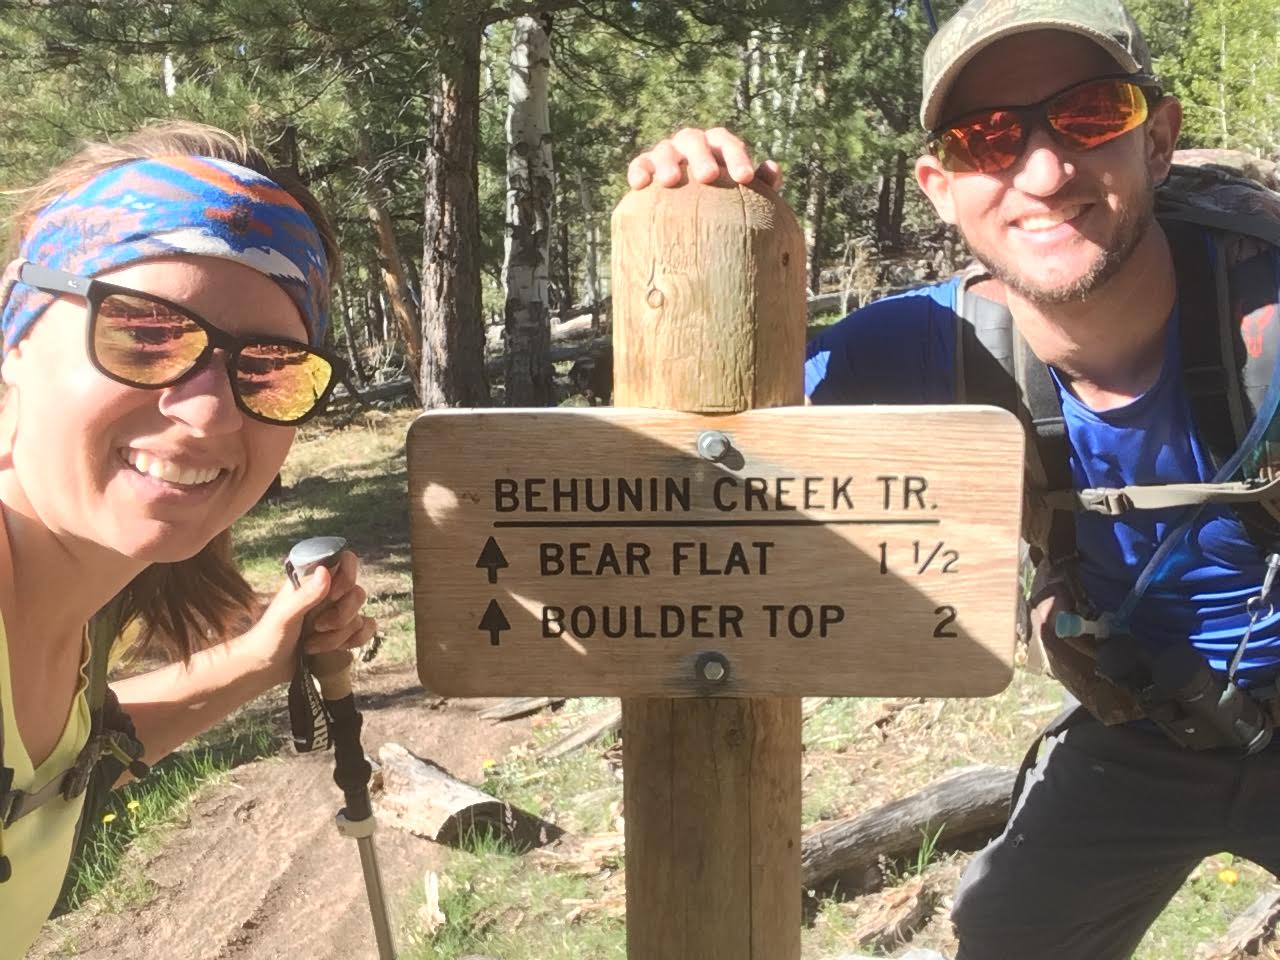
1060, 213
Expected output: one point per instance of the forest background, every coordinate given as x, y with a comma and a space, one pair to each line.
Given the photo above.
471, 151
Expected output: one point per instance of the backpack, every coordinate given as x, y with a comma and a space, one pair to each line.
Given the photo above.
112, 747
1222, 228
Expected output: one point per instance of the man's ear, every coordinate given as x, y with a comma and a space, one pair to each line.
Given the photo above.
936, 185
1163, 125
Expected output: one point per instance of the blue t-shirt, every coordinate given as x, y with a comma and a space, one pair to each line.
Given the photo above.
902, 350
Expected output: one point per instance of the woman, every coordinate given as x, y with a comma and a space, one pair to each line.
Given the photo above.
145, 412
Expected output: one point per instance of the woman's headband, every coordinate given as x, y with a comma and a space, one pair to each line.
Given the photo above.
173, 206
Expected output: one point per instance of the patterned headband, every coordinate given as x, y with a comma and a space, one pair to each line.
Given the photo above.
173, 206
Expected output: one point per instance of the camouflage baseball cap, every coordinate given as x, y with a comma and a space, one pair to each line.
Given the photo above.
980, 23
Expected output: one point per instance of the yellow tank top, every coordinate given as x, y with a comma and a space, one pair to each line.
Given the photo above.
39, 845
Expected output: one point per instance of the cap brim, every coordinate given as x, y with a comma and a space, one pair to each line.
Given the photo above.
931, 114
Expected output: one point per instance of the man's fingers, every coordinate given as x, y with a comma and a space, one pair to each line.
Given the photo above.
732, 153
668, 164
640, 172
770, 173
704, 156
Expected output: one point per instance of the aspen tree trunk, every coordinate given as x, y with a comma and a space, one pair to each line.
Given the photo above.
1222, 72
530, 192
793, 102
815, 207
376, 322
593, 253
567, 295
453, 373
390, 261
775, 93
755, 69
815, 214
170, 77
743, 91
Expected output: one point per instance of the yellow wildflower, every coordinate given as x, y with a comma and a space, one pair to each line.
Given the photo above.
133, 805
108, 817
489, 763
1229, 876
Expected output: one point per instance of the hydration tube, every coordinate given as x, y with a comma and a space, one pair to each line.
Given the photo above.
928, 15
1155, 566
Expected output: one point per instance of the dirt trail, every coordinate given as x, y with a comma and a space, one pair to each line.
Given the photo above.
259, 870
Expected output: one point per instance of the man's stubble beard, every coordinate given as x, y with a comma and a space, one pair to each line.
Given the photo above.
1134, 223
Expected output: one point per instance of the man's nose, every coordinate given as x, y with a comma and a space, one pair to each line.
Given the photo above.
1045, 166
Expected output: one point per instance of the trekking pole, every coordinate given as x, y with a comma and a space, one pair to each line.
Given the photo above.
338, 713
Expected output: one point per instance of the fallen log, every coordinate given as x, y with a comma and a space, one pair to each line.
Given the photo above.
390, 390
601, 725
1247, 933
516, 707
829, 303
574, 329
895, 916
429, 802
970, 807
811, 705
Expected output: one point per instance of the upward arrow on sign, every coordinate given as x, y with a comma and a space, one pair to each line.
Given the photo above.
495, 621
492, 558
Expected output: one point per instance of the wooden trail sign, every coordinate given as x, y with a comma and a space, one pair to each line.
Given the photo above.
849, 551
858, 587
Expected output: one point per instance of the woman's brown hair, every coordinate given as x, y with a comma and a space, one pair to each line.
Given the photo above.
180, 606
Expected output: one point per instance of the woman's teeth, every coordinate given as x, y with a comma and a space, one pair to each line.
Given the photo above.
170, 472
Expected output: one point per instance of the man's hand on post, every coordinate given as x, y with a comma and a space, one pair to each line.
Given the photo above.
706, 155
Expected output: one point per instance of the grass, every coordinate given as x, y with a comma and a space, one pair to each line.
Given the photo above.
496, 905
580, 792
1216, 893
137, 814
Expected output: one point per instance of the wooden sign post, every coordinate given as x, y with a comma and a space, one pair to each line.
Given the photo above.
710, 551
709, 317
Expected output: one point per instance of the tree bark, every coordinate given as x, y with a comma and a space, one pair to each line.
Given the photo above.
342, 305
530, 191
390, 261
884, 205
375, 323
970, 806
593, 253
899, 199
426, 800
815, 215
453, 373
567, 293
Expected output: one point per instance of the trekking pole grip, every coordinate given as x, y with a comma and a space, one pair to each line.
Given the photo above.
332, 669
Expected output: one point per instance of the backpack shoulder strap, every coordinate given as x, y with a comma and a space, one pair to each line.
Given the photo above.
110, 743
995, 365
1226, 368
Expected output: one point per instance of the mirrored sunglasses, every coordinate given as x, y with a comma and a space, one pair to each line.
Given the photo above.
145, 341
1081, 117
